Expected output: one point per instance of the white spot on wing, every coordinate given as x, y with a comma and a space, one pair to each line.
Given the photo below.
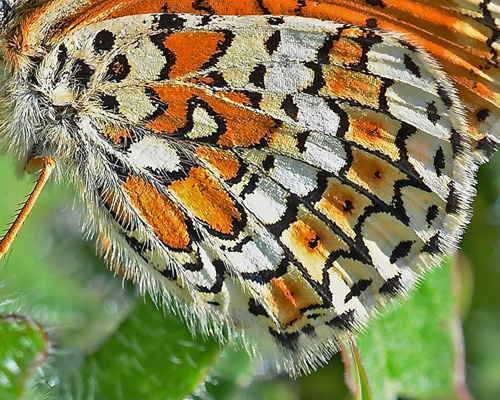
154, 153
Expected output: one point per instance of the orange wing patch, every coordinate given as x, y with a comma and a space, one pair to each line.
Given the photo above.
207, 200
192, 50
374, 174
373, 131
343, 205
167, 221
222, 161
243, 127
345, 52
291, 293
311, 242
352, 85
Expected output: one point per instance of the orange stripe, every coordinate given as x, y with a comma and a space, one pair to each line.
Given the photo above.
159, 212
243, 127
343, 205
207, 200
281, 285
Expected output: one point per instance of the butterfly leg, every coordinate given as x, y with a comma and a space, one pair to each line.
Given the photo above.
46, 165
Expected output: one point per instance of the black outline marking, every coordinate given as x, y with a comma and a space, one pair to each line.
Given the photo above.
250, 186
358, 288
220, 270
392, 286
411, 66
257, 309
220, 50
169, 56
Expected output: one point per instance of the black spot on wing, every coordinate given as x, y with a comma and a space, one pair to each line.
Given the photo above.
62, 58
401, 251
453, 200
256, 77
273, 42
375, 3
432, 113
443, 95
118, 69
456, 143
433, 245
392, 286
275, 20
104, 41
169, 21
82, 73
358, 288
481, 115
432, 213
286, 340
290, 108
439, 161
109, 103
268, 162
344, 320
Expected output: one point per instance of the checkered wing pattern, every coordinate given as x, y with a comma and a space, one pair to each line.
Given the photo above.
280, 175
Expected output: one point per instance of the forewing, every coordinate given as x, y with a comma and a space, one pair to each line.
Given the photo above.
461, 35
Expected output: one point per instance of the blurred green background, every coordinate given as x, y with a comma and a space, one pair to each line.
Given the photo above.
53, 276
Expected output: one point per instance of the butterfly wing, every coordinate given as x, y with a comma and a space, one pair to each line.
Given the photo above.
282, 175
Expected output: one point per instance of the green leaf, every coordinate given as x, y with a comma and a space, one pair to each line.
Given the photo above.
151, 356
363, 391
416, 351
24, 347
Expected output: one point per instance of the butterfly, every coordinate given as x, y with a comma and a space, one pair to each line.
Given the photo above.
275, 170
